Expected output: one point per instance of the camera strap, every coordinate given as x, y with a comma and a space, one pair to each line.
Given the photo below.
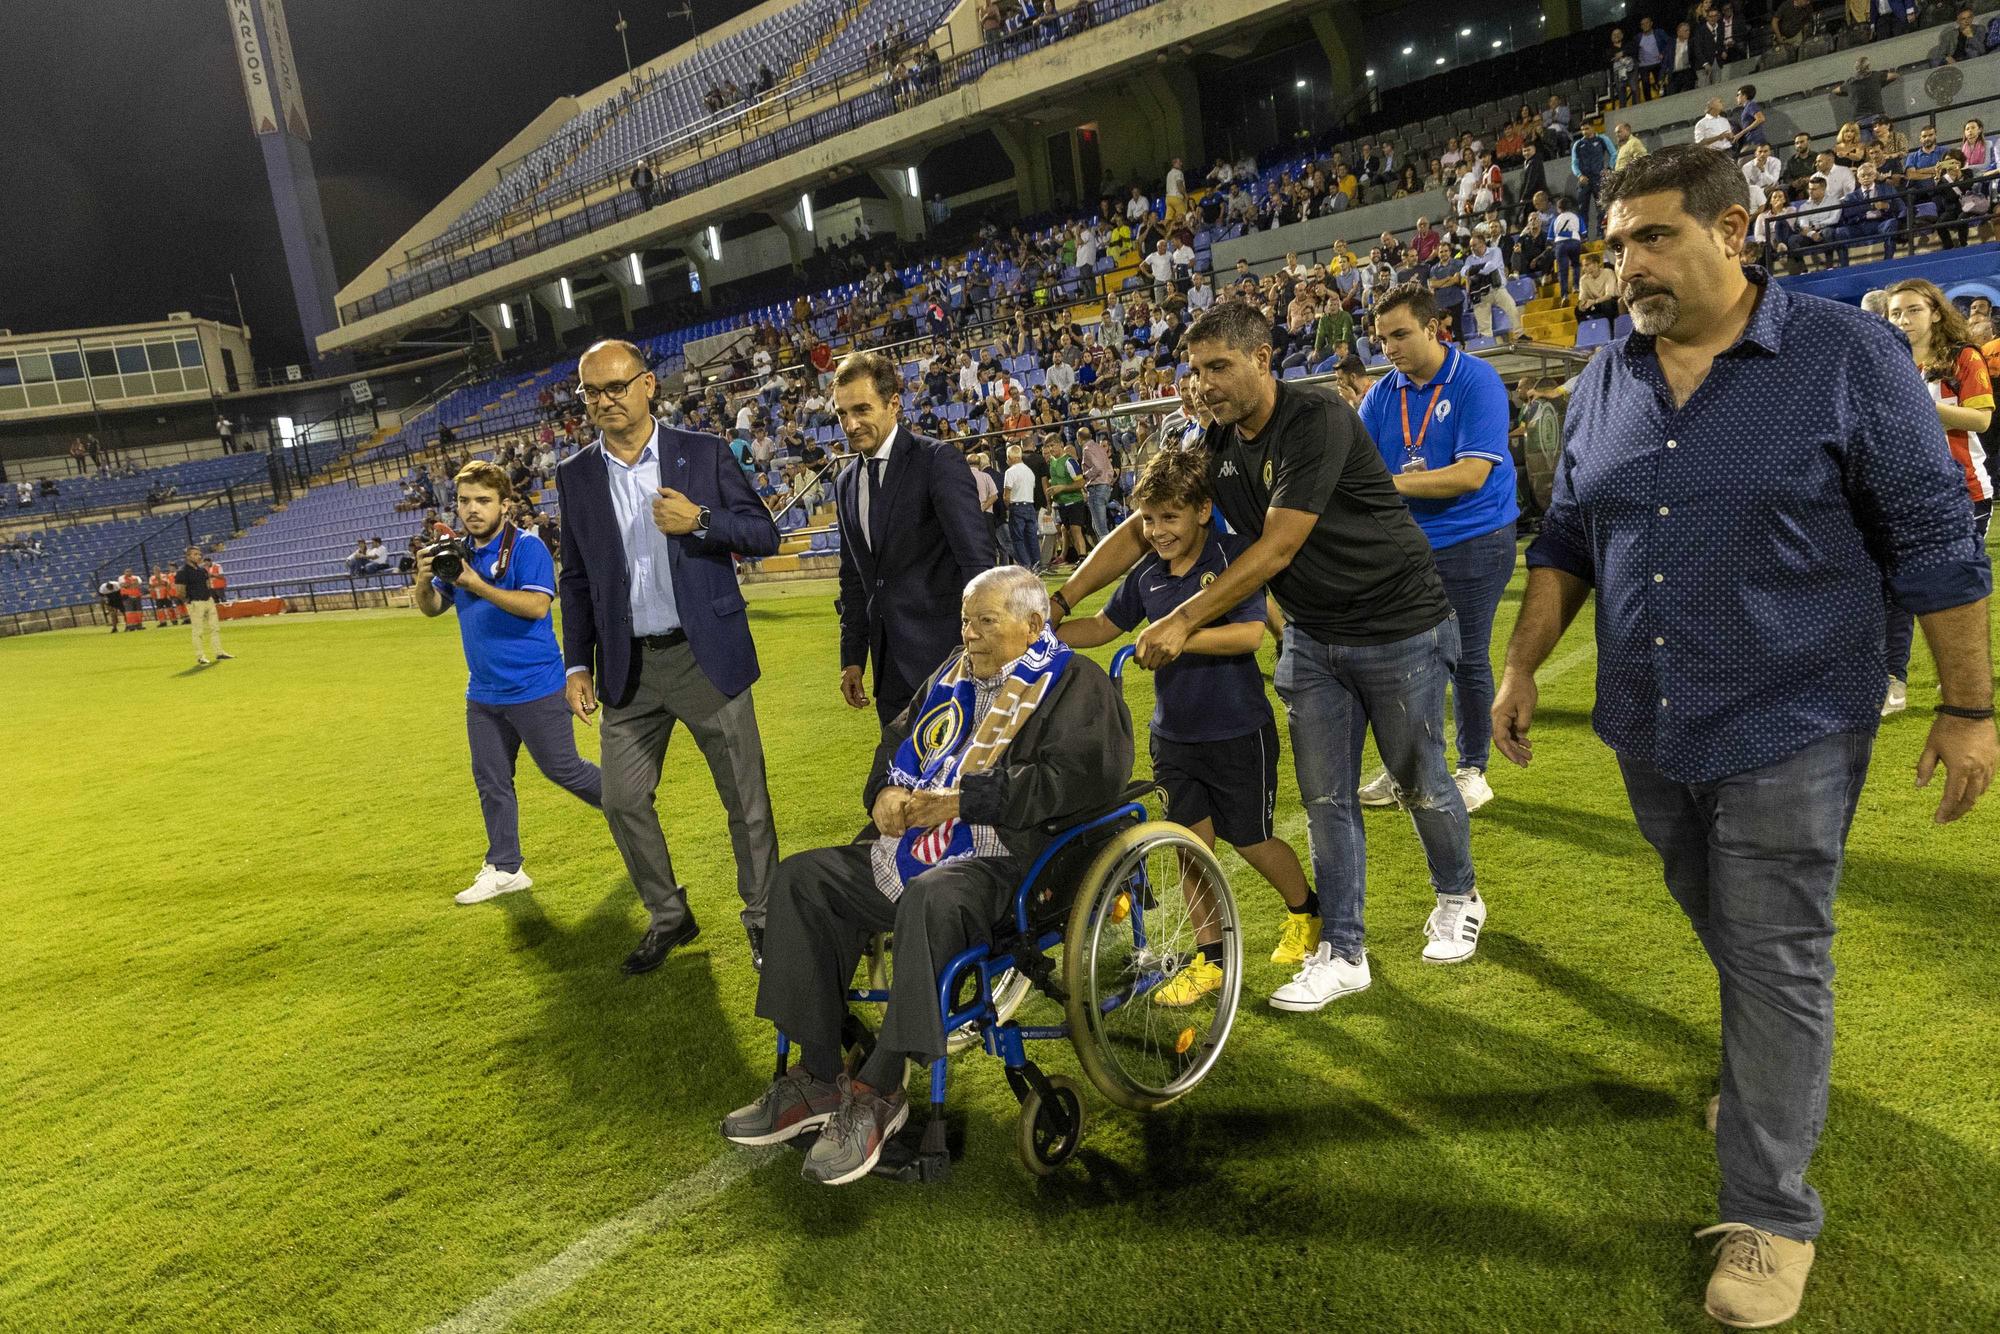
508, 532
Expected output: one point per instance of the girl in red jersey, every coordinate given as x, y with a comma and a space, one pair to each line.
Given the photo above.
1942, 344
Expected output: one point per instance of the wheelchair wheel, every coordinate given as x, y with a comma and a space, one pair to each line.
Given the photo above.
1009, 990
1136, 924
1050, 1130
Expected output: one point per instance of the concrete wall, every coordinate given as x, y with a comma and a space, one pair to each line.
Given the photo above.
1668, 120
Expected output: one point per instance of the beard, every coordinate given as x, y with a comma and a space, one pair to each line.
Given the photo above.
1654, 310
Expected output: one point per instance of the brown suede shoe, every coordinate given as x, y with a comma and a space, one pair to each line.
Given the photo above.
1759, 1276
1714, 1110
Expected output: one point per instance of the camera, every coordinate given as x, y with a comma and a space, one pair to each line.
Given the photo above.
448, 556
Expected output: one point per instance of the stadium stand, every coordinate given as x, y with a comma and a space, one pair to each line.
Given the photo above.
66, 572
196, 478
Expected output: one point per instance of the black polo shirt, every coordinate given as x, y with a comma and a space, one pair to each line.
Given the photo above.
193, 580
1364, 575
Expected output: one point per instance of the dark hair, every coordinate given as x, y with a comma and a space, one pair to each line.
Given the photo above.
1236, 324
1352, 364
1412, 296
1177, 474
1708, 181
1749, 94
876, 368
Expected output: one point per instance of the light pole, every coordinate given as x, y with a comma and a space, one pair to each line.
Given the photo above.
626, 46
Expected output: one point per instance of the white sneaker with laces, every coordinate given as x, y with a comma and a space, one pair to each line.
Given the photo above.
1324, 977
491, 884
1453, 928
1896, 699
1380, 790
1473, 789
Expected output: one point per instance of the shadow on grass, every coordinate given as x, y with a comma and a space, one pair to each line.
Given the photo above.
1616, 837
638, 1052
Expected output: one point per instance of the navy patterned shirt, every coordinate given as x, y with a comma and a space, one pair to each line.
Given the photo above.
1739, 544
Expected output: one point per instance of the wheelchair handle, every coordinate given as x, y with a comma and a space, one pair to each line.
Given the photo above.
1118, 661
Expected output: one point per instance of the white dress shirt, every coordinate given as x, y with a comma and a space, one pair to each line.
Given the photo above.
863, 495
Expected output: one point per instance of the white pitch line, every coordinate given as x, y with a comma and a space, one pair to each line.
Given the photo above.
604, 1243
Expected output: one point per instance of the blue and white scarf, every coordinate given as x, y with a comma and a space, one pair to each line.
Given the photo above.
938, 752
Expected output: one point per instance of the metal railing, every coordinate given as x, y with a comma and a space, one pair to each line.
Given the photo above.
171, 537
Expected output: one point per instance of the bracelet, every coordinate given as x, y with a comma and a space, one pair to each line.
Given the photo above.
1974, 715
1067, 610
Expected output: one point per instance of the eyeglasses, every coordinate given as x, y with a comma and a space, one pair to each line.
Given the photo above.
590, 393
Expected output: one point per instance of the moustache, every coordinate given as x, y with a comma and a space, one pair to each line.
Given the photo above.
1640, 291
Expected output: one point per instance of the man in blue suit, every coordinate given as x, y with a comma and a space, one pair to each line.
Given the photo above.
651, 519
911, 538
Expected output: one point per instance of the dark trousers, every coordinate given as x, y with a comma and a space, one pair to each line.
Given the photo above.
892, 692
1475, 573
1753, 860
825, 907
496, 733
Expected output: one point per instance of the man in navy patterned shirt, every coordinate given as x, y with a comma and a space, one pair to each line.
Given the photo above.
1739, 478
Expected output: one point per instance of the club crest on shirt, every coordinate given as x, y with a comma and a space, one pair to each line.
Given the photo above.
1267, 472
1444, 409
1208, 579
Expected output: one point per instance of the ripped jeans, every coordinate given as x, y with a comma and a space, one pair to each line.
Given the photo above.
1333, 693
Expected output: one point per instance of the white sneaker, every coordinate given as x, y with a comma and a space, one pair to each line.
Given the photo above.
201, 662
1324, 977
1381, 790
1897, 699
491, 884
1453, 928
1473, 789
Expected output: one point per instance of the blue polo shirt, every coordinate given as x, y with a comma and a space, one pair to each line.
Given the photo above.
509, 659
1196, 697
1468, 420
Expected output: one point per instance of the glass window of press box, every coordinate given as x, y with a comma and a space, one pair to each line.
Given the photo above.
106, 369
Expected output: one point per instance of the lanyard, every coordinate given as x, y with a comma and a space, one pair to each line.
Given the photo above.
1424, 424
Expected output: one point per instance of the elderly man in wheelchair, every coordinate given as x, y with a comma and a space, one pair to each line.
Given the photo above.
1003, 826
1012, 732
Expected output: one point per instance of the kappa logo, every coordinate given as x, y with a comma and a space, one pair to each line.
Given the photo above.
1228, 468
1444, 409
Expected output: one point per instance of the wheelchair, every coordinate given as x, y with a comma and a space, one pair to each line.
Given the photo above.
1127, 898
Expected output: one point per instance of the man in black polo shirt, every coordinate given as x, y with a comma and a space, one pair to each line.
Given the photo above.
1370, 639
200, 599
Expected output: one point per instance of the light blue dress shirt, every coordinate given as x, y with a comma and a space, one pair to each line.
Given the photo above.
647, 554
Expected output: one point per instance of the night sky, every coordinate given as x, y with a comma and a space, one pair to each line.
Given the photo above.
134, 186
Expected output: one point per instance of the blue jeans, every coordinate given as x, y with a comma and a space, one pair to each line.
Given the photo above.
1475, 573
1333, 693
1569, 257
1753, 860
1099, 499
1026, 535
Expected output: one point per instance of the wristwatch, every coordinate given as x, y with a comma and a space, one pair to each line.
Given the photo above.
701, 520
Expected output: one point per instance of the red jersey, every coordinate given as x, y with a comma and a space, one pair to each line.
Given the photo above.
1969, 385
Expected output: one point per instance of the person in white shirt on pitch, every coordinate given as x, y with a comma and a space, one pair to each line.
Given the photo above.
1023, 525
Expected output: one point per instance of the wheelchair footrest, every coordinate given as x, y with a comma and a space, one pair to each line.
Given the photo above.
914, 1158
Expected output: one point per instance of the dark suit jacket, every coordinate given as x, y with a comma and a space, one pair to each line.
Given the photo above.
596, 586
900, 604
1073, 757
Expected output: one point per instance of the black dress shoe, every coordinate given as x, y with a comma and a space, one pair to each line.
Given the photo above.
756, 934
657, 945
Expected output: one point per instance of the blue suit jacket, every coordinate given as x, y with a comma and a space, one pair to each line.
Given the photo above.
595, 584
899, 605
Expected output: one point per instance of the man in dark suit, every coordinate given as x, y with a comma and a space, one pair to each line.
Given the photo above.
652, 517
911, 538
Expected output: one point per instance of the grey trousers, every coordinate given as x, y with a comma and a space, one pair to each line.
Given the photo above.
673, 689
495, 733
825, 908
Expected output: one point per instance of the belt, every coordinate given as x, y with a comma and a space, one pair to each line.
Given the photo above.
667, 640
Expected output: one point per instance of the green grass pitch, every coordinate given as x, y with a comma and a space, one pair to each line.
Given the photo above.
257, 1071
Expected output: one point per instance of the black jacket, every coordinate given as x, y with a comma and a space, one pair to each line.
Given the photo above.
1072, 758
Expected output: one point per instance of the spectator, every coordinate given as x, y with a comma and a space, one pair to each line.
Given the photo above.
1713, 130
1885, 17
1920, 164
1652, 51
1962, 41
1680, 59
1590, 159
1019, 483
1873, 212
1100, 476
1176, 206
1630, 147
1624, 68
1840, 182
358, 559
1802, 163
1567, 234
1749, 119
77, 455
1712, 40
1771, 233
1484, 279
1160, 266
1815, 223
1863, 88
1792, 24
1596, 291
642, 183
1967, 200
1764, 173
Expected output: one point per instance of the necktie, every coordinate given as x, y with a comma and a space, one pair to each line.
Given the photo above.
872, 521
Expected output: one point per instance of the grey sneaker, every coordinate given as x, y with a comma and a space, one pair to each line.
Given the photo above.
795, 1103
1380, 791
851, 1142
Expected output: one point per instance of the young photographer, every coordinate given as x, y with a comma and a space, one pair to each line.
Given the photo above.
501, 581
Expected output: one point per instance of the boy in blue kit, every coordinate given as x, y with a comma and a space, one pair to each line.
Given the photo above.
1214, 739
514, 693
